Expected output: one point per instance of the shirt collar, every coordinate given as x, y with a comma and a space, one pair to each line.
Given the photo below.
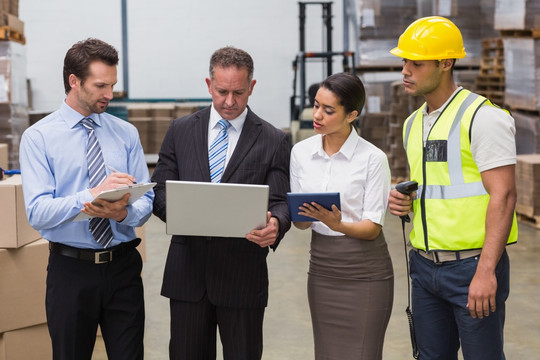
73, 117
237, 124
347, 149
424, 110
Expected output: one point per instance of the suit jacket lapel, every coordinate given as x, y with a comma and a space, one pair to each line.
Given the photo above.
250, 133
201, 142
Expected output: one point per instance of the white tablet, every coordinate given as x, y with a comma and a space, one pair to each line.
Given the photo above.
215, 209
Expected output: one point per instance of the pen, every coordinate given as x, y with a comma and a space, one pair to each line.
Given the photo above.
114, 170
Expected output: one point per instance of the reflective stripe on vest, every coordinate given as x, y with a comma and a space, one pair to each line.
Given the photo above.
451, 204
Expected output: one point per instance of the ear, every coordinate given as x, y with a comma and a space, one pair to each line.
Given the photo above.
73, 81
251, 86
209, 84
447, 64
352, 116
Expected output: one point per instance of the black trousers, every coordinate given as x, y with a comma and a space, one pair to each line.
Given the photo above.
81, 295
193, 331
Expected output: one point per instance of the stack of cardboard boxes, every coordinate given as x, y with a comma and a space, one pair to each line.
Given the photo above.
23, 264
23, 269
10, 24
528, 201
519, 22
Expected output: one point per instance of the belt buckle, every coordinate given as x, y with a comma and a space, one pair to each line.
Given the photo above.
435, 258
102, 257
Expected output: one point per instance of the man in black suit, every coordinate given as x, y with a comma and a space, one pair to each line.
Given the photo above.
220, 281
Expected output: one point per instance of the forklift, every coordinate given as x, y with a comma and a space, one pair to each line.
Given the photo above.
301, 102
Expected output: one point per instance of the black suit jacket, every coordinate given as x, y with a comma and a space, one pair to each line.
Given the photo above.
232, 271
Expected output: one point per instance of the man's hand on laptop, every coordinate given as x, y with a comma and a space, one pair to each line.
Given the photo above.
266, 236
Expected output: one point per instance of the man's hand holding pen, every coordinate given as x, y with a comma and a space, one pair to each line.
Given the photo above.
110, 209
113, 181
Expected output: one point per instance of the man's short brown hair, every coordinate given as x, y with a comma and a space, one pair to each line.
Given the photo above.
82, 54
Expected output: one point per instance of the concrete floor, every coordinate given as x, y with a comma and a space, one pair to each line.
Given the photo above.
287, 327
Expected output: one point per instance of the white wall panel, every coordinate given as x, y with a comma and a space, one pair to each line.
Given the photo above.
170, 43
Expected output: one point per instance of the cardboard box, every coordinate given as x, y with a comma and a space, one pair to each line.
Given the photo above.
144, 127
4, 156
11, 21
528, 185
16, 231
158, 129
23, 272
516, 14
522, 64
181, 110
26, 344
14, 7
162, 110
10, 6
139, 110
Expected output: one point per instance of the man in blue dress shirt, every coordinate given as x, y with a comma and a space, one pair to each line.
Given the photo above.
92, 278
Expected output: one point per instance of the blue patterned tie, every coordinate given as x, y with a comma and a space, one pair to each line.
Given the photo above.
99, 227
218, 152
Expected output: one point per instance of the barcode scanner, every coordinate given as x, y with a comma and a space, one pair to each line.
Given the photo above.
407, 188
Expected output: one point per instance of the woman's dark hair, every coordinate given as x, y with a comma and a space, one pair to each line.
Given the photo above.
82, 54
349, 89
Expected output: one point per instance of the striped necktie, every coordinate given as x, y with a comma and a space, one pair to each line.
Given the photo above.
218, 152
99, 227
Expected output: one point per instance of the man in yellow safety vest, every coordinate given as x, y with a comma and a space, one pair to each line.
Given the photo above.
461, 151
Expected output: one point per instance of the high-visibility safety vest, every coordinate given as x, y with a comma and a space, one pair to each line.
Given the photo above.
451, 204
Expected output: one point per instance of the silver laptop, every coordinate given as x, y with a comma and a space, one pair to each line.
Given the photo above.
215, 209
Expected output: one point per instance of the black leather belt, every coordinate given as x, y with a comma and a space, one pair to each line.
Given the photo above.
97, 256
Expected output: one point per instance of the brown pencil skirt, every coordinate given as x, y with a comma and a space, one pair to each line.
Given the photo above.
350, 293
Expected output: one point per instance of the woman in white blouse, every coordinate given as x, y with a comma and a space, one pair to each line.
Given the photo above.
350, 281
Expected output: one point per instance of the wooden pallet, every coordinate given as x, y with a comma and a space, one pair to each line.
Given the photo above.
531, 221
490, 86
492, 43
534, 33
491, 78
7, 33
493, 69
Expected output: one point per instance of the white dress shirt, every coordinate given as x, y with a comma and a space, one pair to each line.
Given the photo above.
234, 131
359, 172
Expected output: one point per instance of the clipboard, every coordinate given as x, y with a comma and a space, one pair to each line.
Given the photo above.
326, 200
136, 191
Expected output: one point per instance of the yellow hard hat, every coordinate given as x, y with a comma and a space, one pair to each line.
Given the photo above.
430, 38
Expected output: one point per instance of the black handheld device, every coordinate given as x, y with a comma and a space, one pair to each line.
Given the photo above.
407, 188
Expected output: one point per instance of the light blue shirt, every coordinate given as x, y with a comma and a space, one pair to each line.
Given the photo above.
55, 175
